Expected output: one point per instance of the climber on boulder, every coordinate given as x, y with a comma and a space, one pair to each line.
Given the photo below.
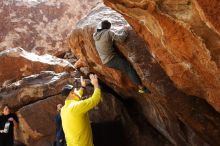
74, 113
104, 39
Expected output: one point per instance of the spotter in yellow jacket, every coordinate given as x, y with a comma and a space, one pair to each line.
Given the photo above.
75, 119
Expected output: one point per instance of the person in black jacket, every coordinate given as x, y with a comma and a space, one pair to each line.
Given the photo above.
60, 137
8, 121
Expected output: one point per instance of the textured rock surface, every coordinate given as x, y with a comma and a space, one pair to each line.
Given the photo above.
17, 63
186, 48
40, 26
34, 132
35, 98
173, 46
209, 13
165, 52
37, 122
33, 88
135, 129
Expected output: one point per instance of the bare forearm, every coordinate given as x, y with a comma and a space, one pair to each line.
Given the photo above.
96, 86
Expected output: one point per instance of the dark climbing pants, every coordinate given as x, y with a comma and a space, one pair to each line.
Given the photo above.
6, 140
123, 65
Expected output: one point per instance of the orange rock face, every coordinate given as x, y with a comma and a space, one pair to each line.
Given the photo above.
171, 60
40, 26
183, 37
209, 12
17, 63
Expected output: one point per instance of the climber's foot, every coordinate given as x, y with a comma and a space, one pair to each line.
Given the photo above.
143, 90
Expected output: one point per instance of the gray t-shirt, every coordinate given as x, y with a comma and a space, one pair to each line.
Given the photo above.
104, 43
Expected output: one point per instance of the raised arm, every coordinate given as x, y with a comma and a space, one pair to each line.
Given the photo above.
87, 104
83, 86
120, 35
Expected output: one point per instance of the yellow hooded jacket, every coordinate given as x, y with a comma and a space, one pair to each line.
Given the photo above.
75, 119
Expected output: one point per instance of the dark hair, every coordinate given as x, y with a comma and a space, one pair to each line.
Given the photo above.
3, 106
66, 90
105, 24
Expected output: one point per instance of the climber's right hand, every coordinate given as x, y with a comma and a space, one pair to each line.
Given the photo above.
83, 82
94, 80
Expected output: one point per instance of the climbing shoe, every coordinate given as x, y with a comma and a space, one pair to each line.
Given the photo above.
144, 90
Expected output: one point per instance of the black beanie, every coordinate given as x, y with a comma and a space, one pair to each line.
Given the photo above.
66, 90
105, 24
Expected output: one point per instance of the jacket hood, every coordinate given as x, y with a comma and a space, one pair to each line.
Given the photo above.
97, 35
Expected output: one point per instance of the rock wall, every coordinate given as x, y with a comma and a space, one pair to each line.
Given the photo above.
37, 122
40, 26
33, 88
17, 63
31, 85
183, 37
35, 98
159, 61
173, 45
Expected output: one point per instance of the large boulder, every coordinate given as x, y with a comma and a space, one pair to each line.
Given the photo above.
181, 118
37, 123
17, 63
40, 26
35, 98
183, 36
33, 88
117, 121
